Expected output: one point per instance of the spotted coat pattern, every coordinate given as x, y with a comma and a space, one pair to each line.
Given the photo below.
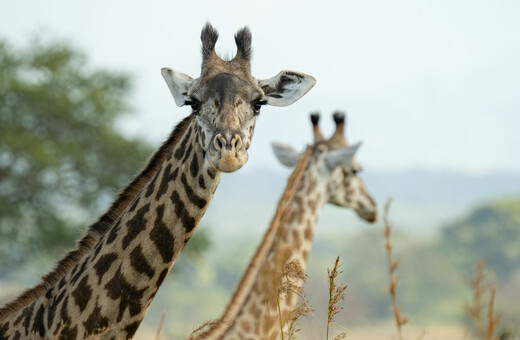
109, 290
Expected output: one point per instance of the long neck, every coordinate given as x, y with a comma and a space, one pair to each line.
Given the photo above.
101, 226
109, 290
251, 309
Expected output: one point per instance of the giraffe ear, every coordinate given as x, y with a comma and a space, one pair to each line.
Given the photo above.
285, 154
179, 85
286, 87
341, 157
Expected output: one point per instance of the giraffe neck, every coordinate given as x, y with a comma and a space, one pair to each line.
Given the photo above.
97, 229
109, 290
250, 312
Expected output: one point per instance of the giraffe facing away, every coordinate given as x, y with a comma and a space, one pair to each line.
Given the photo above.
105, 285
331, 176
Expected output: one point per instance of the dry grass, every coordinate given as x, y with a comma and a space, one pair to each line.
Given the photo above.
392, 264
159, 328
287, 284
485, 322
290, 281
336, 294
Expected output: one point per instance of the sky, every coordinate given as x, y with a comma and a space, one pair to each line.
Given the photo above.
428, 85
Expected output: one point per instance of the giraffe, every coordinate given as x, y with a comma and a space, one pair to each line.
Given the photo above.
105, 285
331, 176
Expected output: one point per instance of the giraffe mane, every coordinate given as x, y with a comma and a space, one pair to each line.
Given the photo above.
99, 228
248, 279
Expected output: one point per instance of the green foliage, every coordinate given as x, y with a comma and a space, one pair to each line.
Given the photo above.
491, 232
61, 157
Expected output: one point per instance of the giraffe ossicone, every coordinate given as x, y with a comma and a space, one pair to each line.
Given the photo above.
104, 287
330, 176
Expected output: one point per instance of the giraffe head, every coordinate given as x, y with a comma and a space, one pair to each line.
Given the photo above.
226, 99
335, 168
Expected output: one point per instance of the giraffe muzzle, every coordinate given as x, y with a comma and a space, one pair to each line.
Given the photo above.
228, 154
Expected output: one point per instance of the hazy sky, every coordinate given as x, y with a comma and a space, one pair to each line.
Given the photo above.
426, 84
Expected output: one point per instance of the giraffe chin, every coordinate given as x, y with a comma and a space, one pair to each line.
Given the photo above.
228, 161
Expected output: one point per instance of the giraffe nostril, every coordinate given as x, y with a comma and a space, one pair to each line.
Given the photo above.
236, 143
219, 142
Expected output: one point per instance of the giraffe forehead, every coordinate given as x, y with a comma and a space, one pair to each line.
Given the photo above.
226, 88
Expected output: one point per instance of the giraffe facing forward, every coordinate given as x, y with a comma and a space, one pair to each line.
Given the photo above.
331, 176
106, 284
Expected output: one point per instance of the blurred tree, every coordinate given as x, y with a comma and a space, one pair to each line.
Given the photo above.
490, 232
61, 157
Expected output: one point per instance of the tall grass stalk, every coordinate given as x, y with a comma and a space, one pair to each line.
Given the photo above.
392, 265
475, 310
336, 294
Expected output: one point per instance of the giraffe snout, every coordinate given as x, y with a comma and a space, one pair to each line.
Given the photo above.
228, 153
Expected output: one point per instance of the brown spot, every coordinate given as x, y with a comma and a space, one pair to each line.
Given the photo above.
113, 232
188, 222
151, 186
131, 329
202, 183
130, 297
82, 294
187, 154
293, 215
96, 322
298, 200
168, 176
139, 262
135, 225
305, 254
27, 313
162, 237
255, 311
301, 185
52, 309
245, 326
65, 330
312, 185
103, 264
18, 319
295, 235
192, 196
76, 277
308, 232
3, 331
134, 205
212, 173
68, 332
161, 278
98, 249
179, 152
194, 166
49, 293
284, 234
312, 205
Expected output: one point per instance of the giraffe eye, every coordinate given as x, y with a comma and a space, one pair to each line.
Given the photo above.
257, 105
195, 105
356, 171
